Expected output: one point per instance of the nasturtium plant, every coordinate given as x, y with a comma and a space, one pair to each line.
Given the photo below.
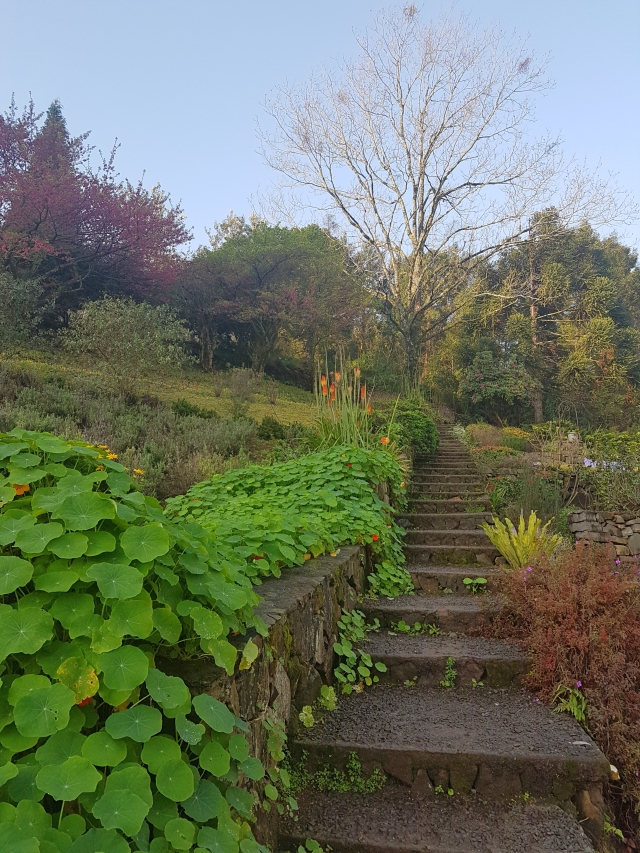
262, 519
100, 749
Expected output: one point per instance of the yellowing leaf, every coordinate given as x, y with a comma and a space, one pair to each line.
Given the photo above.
76, 674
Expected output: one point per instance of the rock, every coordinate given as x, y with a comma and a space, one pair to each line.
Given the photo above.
622, 551
618, 519
634, 544
590, 808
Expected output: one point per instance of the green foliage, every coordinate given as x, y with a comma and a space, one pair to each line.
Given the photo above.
417, 428
450, 674
271, 428
21, 310
571, 700
489, 382
126, 340
523, 545
475, 584
539, 491
265, 518
356, 669
86, 716
351, 779
183, 408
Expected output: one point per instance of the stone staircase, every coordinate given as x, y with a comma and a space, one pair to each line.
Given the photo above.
478, 767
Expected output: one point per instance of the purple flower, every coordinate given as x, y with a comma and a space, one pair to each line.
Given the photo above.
578, 684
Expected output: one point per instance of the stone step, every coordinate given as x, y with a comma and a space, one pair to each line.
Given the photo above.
421, 506
445, 488
461, 468
393, 820
423, 658
499, 743
479, 556
445, 475
446, 537
443, 520
457, 613
435, 579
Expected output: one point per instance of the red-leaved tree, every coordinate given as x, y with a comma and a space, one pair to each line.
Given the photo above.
82, 231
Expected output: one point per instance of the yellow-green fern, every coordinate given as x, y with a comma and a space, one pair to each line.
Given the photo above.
520, 546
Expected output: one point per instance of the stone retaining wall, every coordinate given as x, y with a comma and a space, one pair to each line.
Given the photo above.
622, 529
301, 610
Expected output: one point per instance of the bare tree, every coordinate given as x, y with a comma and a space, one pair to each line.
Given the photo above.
421, 144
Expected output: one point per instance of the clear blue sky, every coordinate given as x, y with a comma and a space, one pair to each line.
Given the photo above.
181, 83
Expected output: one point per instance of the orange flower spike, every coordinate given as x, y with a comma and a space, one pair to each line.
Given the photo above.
324, 390
332, 388
357, 371
363, 392
323, 380
338, 376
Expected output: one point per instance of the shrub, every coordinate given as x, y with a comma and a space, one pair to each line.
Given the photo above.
580, 621
497, 386
418, 429
541, 492
276, 516
126, 340
22, 306
270, 428
97, 586
514, 441
183, 408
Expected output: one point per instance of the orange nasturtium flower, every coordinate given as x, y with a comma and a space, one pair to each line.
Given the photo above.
384, 439
20, 490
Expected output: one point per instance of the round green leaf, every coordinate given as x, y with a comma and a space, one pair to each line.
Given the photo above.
162, 811
14, 840
69, 608
167, 690
84, 511
100, 541
70, 546
158, 751
116, 580
202, 805
59, 747
167, 624
56, 581
32, 818
7, 771
174, 780
238, 748
207, 623
190, 733
26, 684
35, 539
68, 780
23, 786
43, 712
24, 631
214, 713
10, 527
26, 460
145, 543
124, 668
131, 777
25, 476
250, 845
132, 618
121, 810
140, 723
180, 833
252, 769
100, 841
216, 841
102, 750
11, 739
7, 494
215, 758
14, 573
74, 825
240, 800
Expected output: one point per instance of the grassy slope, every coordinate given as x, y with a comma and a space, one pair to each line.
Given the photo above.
293, 404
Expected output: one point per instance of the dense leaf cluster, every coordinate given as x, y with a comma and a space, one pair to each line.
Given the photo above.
265, 518
95, 582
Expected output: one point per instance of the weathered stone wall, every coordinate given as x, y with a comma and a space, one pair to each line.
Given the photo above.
622, 529
301, 610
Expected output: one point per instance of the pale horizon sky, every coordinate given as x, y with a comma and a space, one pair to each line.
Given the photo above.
181, 85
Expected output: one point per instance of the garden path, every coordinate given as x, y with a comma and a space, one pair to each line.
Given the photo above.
474, 764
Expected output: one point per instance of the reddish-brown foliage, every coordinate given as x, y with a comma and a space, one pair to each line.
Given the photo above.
579, 617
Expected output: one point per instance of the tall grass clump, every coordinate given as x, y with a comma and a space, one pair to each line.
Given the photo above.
344, 409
